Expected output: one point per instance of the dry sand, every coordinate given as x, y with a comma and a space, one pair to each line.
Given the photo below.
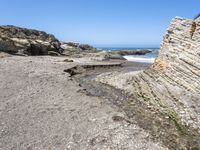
41, 109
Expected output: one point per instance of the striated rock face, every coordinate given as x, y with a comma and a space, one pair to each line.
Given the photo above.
172, 84
16, 40
175, 76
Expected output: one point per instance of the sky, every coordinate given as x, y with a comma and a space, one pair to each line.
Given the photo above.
103, 23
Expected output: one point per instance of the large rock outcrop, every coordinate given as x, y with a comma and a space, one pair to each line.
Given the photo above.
174, 78
172, 84
16, 40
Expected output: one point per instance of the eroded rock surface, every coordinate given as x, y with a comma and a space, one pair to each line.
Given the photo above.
16, 40
171, 85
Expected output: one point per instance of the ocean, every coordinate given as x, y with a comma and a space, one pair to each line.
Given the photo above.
148, 58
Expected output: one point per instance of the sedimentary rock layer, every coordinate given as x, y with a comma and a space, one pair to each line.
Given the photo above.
174, 78
172, 84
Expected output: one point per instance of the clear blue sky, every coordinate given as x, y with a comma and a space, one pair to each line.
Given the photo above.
99, 22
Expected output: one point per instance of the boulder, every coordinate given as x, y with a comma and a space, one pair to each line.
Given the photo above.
16, 40
53, 53
104, 56
3, 55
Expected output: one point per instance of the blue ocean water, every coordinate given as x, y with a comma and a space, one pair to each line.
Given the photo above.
148, 58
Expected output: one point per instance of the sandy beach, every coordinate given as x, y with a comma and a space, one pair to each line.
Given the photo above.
42, 107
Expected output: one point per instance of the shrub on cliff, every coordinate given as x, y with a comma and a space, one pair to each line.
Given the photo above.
197, 16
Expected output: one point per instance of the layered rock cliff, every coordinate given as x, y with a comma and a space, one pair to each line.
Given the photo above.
171, 85
175, 76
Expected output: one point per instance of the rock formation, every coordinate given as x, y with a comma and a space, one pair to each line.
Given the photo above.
16, 40
71, 48
172, 84
130, 52
175, 76
119, 54
22, 41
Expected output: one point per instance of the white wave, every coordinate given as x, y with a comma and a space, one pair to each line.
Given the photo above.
140, 59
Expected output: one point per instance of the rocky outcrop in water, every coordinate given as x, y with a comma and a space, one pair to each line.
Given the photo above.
130, 52
171, 86
111, 55
119, 54
16, 40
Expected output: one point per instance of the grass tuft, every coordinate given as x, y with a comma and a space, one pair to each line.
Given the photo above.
197, 16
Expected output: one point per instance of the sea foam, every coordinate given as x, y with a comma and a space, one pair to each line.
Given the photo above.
139, 59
